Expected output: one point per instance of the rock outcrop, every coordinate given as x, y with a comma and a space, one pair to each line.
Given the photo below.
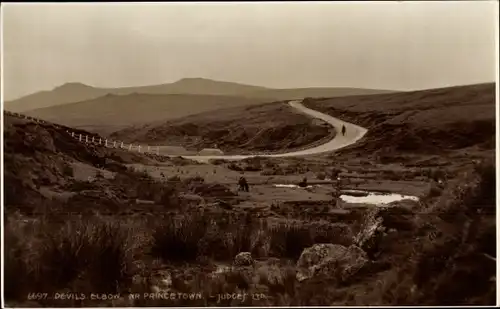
331, 260
243, 259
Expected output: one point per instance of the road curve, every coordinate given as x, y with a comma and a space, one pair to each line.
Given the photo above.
353, 134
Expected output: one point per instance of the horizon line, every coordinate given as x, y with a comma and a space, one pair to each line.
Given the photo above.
244, 84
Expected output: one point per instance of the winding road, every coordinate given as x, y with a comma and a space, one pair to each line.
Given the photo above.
353, 134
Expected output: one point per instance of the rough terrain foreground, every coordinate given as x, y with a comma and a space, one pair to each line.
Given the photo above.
82, 219
353, 134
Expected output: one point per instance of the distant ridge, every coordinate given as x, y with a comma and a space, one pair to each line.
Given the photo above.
77, 92
112, 112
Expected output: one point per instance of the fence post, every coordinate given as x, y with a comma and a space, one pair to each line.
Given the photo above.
106, 143
80, 138
73, 134
148, 148
92, 139
99, 141
139, 148
86, 138
121, 146
114, 144
130, 147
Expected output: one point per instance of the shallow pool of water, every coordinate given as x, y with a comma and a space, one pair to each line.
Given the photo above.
377, 198
360, 196
293, 186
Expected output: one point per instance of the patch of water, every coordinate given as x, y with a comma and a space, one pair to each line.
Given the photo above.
377, 198
293, 186
361, 196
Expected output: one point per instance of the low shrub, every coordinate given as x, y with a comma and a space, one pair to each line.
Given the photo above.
176, 239
87, 255
289, 240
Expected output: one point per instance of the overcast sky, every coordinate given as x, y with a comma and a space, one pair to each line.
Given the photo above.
388, 45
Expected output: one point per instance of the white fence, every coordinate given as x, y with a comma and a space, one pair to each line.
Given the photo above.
82, 138
93, 139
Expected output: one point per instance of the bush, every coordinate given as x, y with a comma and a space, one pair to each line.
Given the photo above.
142, 186
176, 239
289, 240
92, 255
192, 236
168, 196
451, 266
19, 268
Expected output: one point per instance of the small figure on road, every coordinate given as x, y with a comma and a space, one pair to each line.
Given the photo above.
343, 129
243, 184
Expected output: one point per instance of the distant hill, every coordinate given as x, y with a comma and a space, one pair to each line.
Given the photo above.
314, 92
67, 93
431, 121
77, 92
272, 127
112, 112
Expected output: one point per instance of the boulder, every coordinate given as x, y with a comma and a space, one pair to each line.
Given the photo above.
243, 259
330, 260
398, 216
161, 282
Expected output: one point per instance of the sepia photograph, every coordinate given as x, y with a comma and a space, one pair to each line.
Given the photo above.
249, 154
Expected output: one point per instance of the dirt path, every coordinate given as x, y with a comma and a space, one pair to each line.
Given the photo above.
352, 135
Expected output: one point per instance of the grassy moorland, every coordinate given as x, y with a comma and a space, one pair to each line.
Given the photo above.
95, 223
259, 128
